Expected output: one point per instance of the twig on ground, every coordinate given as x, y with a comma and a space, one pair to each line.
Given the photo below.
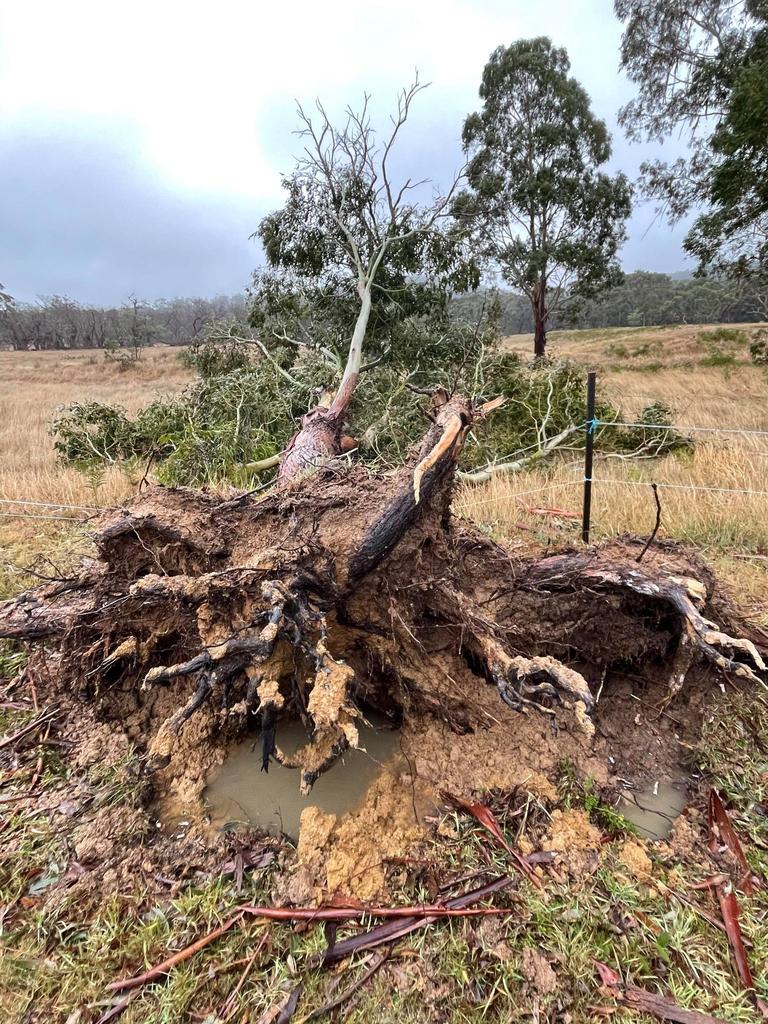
40, 720
434, 910
649, 1002
396, 929
289, 1006
347, 993
704, 914
177, 958
117, 1009
228, 1006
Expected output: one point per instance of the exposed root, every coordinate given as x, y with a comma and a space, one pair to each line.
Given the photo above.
347, 589
731, 654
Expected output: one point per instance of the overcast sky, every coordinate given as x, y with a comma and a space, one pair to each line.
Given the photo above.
141, 143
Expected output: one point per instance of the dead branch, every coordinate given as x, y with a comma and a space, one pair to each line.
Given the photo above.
184, 954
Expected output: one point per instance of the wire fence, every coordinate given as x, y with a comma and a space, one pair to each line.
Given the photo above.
753, 443
726, 454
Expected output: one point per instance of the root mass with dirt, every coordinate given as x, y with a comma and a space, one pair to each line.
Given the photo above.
342, 590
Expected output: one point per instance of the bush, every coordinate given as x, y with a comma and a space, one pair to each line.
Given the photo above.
715, 341
210, 357
202, 436
730, 336
659, 435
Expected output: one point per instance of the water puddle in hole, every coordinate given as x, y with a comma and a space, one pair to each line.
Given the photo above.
653, 810
240, 791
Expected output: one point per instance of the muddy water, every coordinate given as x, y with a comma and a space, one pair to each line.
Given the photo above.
240, 791
653, 810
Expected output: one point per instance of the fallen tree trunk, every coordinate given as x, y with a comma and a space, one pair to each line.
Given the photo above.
346, 589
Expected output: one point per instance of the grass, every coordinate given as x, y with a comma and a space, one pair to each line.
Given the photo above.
56, 956
34, 384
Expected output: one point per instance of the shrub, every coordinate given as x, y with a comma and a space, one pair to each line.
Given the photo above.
730, 336
210, 357
659, 435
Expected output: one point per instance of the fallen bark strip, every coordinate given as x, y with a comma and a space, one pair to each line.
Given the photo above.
705, 915
643, 1001
485, 816
396, 929
721, 830
729, 908
310, 914
177, 958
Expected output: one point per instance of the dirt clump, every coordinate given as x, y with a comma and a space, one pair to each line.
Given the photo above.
633, 857
537, 971
490, 936
349, 855
576, 841
684, 842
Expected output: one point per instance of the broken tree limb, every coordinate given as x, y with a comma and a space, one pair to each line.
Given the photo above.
481, 476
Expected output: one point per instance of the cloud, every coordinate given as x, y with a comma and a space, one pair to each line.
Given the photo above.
141, 145
84, 217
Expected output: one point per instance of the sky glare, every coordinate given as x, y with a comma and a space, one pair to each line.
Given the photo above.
140, 144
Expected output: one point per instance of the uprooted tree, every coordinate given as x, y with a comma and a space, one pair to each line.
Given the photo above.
344, 588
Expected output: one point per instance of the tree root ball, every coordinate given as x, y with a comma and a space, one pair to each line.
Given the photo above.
344, 590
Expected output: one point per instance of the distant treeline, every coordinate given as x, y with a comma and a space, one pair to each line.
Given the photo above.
644, 299
61, 323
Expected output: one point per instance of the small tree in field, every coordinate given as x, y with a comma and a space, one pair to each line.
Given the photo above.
538, 207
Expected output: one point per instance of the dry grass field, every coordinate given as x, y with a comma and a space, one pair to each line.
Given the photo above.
730, 527
636, 367
32, 386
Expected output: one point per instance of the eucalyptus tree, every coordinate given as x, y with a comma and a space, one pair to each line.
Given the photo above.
701, 69
353, 253
538, 205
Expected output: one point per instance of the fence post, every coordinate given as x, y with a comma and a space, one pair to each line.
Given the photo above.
588, 452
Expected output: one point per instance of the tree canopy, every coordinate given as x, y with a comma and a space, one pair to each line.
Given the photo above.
702, 72
350, 234
537, 205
